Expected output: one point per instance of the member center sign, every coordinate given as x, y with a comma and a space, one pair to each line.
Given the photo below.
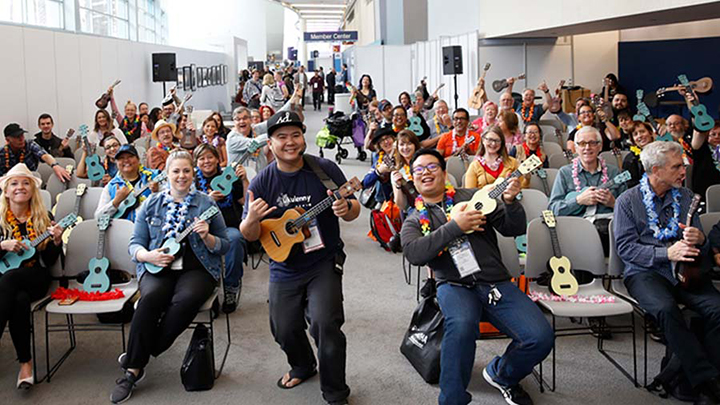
331, 36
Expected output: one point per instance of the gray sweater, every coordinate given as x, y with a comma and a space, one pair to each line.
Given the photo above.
508, 219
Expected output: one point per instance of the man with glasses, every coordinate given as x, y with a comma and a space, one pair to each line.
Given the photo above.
586, 117
473, 283
452, 143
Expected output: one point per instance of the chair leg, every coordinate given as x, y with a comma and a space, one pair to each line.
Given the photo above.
554, 362
645, 349
407, 272
219, 371
601, 349
417, 286
71, 336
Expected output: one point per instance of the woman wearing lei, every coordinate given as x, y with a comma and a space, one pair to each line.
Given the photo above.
163, 138
706, 159
491, 162
23, 215
207, 162
507, 121
111, 146
406, 146
171, 298
488, 119
383, 164
130, 124
531, 146
212, 137
641, 136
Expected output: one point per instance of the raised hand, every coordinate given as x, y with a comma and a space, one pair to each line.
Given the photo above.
257, 209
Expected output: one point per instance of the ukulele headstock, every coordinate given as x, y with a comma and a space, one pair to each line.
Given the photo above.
353, 185
80, 189
549, 218
103, 222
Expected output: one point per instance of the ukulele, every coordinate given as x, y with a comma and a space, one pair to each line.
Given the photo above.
172, 245
701, 120
130, 202
435, 93
566, 152
478, 94
699, 86
542, 174
499, 85
279, 235
103, 101
189, 139
98, 280
415, 125
176, 115
644, 114
556, 102
603, 110
223, 183
95, 169
462, 152
13, 260
618, 155
615, 181
484, 200
689, 274
563, 280
79, 192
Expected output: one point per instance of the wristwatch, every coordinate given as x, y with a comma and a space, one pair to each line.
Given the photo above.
55, 164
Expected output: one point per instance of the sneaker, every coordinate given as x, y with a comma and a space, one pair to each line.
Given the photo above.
125, 386
229, 302
514, 395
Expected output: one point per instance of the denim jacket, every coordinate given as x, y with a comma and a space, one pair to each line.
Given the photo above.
148, 232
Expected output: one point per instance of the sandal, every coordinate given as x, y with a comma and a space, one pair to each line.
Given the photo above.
302, 380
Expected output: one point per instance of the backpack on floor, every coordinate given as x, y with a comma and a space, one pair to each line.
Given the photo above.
385, 224
198, 367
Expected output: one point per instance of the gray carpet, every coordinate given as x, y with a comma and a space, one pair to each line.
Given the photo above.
378, 306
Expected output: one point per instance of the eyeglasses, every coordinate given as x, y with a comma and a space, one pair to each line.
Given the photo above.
399, 115
532, 133
460, 119
386, 139
585, 112
584, 144
492, 140
432, 168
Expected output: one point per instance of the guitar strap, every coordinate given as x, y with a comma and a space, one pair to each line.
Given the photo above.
324, 178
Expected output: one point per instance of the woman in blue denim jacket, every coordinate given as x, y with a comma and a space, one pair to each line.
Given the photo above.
171, 298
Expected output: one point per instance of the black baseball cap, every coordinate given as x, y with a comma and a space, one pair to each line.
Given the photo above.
127, 148
14, 130
382, 131
283, 119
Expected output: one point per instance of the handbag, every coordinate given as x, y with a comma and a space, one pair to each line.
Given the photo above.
422, 341
198, 367
367, 197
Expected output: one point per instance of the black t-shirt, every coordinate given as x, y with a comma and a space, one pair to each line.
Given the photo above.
705, 174
607, 144
53, 146
632, 164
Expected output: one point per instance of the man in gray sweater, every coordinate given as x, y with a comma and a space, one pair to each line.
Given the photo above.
473, 284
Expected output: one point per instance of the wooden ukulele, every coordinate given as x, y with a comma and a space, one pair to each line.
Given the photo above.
279, 235
485, 199
701, 120
563, 280
224, 182
95, 169
699, 86
132, 199
556, 102
189, 140
172, 245
478, 94
79, 192
618, 155
603, 110
462, 152
500, 85
13, 260
98, 279
177, 114
689, 274
103, 101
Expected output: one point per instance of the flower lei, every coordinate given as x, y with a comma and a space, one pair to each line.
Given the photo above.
715, 153
527, 118
538, 151
7, 156
129, 185
576, 168
176, 213
202, 185
406, 172
215, 141
126, 123
493, 165
671, 230
636, 150
422, 210
163, 147
17, 235
398, 129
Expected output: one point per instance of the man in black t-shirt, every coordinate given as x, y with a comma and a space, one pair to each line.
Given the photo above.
49, 141
308, 284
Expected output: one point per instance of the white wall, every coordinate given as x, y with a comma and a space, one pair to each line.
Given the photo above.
63, 74
365, 21
696, 29
452, 17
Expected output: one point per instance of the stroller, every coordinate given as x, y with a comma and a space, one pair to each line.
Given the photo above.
339, 127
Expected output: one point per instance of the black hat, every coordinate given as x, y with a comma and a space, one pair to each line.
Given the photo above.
14, 130
282, 119
127, 148
382, 131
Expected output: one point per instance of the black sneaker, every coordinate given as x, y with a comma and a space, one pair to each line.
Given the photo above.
514, 395
229, 302
125, 386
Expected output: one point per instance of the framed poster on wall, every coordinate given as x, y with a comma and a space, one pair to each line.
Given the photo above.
200, 77
193, 77
187, 80
180, 79
224, 74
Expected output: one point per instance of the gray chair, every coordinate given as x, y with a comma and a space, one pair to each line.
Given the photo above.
557, 161
552, 148
712, 196
612, 160
46, 199
55, 187
550, 136
534, 202
457, 168
82, 246
45, 172
64, 162
536, 183
579, 242
88, 203
708, 220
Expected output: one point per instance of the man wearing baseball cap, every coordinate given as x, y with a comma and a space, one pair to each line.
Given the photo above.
309, 282
18, 150
131, 175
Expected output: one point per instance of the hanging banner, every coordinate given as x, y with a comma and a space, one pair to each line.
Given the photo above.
331, 36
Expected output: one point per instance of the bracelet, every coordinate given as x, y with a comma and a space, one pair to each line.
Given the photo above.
55, 164
349, 204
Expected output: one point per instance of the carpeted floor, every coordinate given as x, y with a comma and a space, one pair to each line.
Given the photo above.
378, 306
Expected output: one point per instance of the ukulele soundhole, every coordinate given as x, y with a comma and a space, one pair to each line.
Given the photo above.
561, 270
228, 177
290, 228
478, 206
97, 270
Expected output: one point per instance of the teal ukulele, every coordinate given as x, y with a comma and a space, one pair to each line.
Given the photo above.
224, 182
172, 245
701, 120
95, 169
98, 280
615, 181
415, 125
13, 260
131, 201
644, 114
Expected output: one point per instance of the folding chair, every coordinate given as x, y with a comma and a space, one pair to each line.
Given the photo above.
581, 244
536, 182
82, 246
64, 162
557, 161
552, 148
45, 172
612, 160
88, 204
457, 168
712, 198
46, 199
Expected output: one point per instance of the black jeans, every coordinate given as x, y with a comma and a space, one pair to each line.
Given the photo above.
319, 298
18, 289
317, 100
169, 301
659, 298
331, 95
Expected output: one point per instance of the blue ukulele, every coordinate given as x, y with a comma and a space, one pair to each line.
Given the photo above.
701, 120
615, 181
95, 169
415, 125
644, 114
98, 280
13, 260
172, 245
224, 182
130, 202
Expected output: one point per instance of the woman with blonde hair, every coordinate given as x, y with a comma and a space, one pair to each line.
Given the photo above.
271, 94
492, 162
23, 215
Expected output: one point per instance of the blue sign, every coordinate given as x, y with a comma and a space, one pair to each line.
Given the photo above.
331, 36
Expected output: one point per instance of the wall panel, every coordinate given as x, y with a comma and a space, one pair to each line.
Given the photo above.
13, 104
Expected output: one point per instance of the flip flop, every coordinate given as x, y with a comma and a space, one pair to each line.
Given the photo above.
302, 380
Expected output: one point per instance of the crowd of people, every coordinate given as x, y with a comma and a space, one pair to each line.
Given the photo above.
411, 142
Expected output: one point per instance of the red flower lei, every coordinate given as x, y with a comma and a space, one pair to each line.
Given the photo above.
527, 118
422, 210
7, 156
538, 151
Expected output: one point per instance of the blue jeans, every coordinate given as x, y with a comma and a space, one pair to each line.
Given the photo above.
234, 260
514, 315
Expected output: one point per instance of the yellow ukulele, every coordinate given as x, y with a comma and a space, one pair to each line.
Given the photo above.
279, 235
563, 281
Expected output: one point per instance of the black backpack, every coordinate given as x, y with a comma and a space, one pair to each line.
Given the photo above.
198, 367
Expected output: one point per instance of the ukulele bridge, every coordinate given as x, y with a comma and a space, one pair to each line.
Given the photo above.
275, 238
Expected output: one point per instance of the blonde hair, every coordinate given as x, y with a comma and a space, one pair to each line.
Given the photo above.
268, 80
38, 212
129, 102
176, 155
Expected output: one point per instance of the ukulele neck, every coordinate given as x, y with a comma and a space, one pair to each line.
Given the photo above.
555, 242
500, 188
313, 212
101, 244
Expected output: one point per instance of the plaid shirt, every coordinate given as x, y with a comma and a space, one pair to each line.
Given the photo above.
33, 154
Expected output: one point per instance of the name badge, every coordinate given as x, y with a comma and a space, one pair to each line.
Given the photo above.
314, 241
463, 257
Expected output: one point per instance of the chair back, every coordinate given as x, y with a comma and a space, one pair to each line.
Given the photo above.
612, 160
712, 197
46, 199
45, 172
534, 202
689, 176
552, 148
708, 220
509, 254
557, 161
579, 242
88, 204
83, 246
536, 182
450, 178
616, 266
55, 187
64, 161
456, 167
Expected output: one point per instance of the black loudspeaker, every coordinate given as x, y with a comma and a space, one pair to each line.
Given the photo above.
164, 67
452, 60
